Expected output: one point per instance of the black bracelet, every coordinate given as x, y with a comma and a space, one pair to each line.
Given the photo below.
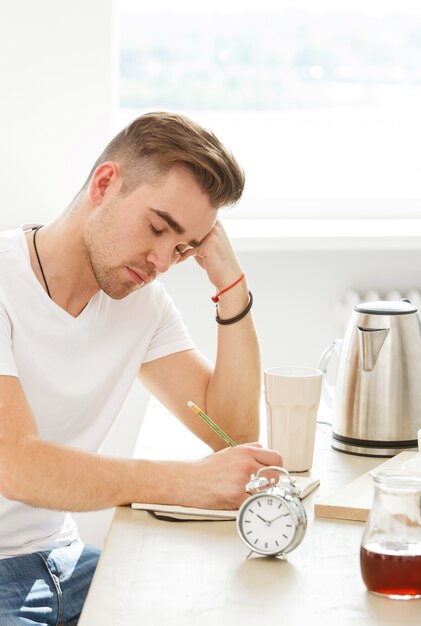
238, 317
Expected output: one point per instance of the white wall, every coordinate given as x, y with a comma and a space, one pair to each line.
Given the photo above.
57, 99
295, 295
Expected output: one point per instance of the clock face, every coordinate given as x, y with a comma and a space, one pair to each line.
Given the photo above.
266, 523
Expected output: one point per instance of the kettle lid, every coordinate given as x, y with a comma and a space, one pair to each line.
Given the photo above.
386, 307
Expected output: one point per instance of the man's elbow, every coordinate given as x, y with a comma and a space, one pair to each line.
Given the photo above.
8, 487
250, 433
11, 487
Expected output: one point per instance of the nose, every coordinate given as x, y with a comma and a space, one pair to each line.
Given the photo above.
161, 258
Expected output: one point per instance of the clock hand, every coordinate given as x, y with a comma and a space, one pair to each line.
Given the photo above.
263, 520
275, 518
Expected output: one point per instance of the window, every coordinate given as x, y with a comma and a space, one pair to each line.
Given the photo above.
319, 100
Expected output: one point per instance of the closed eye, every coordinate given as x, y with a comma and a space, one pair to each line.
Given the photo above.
179, 248
156, 231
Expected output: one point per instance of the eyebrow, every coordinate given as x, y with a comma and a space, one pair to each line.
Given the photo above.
175, 226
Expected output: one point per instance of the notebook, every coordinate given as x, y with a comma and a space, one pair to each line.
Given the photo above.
173, 512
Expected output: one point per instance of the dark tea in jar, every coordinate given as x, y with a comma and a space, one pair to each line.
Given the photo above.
390, 555
392, 570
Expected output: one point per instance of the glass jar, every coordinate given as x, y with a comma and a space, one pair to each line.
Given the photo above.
390, 554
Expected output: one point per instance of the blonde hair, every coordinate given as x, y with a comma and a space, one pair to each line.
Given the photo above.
156, 142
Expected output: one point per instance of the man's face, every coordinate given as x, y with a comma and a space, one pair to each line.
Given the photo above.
131, 238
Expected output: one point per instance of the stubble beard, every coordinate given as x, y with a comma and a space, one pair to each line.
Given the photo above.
111, 279
97, 257
107, 278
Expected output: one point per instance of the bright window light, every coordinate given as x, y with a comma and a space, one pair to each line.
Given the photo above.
319, 100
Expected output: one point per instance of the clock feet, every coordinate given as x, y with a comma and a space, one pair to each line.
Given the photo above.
255, 555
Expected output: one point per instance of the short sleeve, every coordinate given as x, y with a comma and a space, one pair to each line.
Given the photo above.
171, 334
7, 360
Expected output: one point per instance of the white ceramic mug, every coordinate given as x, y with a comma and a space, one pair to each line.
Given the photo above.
292, 397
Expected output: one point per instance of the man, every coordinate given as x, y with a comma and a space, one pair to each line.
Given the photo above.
80, 316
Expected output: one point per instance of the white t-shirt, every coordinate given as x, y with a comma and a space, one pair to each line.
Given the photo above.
75, 372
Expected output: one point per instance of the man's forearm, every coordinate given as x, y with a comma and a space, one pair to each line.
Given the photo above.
233, 395
48, 475
233, 392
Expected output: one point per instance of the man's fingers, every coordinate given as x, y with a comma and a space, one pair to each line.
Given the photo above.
268, 457
264, 456
187, 254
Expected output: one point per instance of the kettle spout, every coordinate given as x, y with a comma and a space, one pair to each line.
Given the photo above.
370, 342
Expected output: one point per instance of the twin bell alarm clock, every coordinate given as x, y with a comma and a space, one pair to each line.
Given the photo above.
272, 521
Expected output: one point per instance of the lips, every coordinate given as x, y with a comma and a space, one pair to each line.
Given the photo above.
137, 278
140, 279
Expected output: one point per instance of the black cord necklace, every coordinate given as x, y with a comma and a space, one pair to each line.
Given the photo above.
39, 260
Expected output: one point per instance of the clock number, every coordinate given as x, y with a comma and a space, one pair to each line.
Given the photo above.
269, 501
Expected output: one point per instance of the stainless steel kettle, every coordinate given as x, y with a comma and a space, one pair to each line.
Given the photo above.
377, 399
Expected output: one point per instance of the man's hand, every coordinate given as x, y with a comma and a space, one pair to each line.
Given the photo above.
216, 256
218, 481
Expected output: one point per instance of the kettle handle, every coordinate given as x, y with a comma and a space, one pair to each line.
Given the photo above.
334, 347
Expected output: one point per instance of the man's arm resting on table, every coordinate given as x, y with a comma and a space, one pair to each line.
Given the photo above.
49, 475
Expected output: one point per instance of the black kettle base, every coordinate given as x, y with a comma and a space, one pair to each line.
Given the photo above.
362, 447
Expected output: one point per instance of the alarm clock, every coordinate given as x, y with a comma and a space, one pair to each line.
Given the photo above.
272, 521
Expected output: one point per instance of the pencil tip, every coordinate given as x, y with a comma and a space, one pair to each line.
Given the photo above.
190, 404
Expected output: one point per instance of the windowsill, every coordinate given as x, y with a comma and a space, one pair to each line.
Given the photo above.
324, 234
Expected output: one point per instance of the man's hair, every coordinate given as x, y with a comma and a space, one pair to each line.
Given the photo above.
156, 142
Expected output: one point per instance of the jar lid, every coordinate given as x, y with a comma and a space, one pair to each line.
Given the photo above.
386, 307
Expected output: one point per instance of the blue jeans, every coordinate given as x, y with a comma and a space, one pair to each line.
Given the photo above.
47, 588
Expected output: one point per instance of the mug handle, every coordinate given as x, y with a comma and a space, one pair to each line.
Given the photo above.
334, 347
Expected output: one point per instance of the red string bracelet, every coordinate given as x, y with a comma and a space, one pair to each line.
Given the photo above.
215, 298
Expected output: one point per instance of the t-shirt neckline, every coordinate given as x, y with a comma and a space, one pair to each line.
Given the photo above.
50, 302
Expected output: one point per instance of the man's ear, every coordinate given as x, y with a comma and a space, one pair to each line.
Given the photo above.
106, 176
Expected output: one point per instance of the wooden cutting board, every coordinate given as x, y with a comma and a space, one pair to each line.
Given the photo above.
353, 501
